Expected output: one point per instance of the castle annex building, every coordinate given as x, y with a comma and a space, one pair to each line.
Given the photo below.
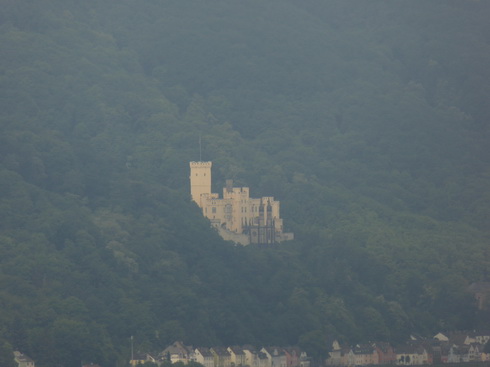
237, 216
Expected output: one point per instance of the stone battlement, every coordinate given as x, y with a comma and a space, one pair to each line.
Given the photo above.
201, 164
237, 216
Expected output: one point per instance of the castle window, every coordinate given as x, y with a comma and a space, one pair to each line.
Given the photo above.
214, 209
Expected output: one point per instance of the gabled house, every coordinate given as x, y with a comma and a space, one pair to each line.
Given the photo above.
292, 356
386, 353
177, 352
365, 354
465, 353
340, 355
441, 337
411, 354
460, 338
276, 356
462, 346
22, 360
480, 336
422, 355
295, 357
237, 356
263, 359
251, 358
458, 354
348, 357
222, 357
474, 352
141, 358
304, 360
426, 347
445, 347
436, 351
204, 357
334, 354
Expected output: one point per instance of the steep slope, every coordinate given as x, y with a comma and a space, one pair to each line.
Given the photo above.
367, 121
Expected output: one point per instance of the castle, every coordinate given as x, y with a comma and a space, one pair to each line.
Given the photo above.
236, 216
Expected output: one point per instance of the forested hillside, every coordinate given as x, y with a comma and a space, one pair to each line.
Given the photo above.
369, 121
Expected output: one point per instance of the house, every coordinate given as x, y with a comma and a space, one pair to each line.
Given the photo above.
141, 358
480, 336
340, 355
204, 356
348, 357
458, 354
263, 360
436, 351
405, 355
441, 337
386, 353
292, 356
304, 360
460, 338
334, 354
222, 358
411, 354
295, 357
445, 347
276, 356
237, 356
365, 354
22, 360
251, 358
474, 352
177, 352
430, 346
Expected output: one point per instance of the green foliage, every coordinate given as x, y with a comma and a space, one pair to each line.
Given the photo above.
368, 121
6, 354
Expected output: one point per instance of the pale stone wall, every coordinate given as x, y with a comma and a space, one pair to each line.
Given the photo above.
237, 217
200, 180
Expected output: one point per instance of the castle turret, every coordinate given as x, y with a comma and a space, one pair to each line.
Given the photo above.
200, 180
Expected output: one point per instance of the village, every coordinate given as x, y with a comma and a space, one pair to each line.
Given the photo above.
443, 348
452, 347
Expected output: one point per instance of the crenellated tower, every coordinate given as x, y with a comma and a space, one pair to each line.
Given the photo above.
200, 180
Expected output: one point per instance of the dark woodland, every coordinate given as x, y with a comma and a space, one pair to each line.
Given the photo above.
368, 120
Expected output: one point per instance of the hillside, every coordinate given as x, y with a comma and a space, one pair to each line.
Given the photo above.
367, 120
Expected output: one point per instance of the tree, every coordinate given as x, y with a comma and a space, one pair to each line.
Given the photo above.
6, 354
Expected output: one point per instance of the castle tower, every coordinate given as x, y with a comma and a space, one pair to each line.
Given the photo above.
200, 180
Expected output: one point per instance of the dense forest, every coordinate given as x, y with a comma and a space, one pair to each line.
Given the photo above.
368, 120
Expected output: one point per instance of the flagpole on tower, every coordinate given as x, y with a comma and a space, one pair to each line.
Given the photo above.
200, 149
132, 356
